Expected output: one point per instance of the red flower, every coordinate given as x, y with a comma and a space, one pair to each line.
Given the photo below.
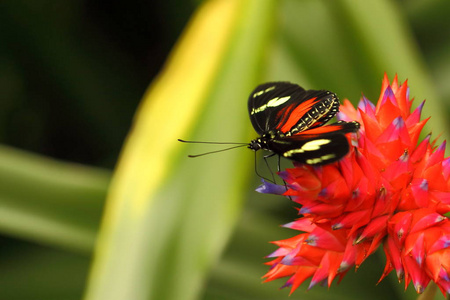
390, 189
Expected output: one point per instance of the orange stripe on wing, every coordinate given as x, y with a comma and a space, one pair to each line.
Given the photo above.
329, 128
296, 114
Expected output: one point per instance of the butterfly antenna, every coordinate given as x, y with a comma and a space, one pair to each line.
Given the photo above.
214, 143
221, 150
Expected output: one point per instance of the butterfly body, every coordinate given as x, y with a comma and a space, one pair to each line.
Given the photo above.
291, 123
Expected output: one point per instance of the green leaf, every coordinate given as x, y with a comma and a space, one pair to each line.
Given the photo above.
168, 217
49, 201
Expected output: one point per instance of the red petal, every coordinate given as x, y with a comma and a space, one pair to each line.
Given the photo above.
400, 224
384, 84
303, 224
402, 98
418, 251
419, 153
347, 111
322, 209
371, 127
300, 276
419, 188
414, 118
395, 131
387, 109
292, 242
393, 253
377, 225
419, 278
437, 156
426, 221
350, 219
279, 271
442, 243
327, 269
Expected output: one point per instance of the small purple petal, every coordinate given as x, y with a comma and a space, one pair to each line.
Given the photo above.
388, 92
365, 105
271, 188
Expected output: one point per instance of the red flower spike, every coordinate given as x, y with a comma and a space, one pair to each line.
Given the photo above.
391, 190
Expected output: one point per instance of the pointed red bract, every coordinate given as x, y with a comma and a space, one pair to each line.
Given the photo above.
391, 190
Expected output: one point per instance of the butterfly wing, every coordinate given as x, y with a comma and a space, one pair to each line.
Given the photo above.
288, 108
318, 146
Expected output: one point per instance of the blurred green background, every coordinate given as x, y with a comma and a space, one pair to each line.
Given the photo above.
72, 74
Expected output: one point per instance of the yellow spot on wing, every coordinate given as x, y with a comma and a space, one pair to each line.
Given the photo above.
309, 146
271, 103
317, 160
315, 144
277, 101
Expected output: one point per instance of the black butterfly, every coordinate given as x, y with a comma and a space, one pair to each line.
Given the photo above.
290, 121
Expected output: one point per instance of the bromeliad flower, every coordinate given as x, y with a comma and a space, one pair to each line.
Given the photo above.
390, 190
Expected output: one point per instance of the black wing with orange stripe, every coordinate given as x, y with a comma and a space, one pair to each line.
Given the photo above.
288, 108
318, 146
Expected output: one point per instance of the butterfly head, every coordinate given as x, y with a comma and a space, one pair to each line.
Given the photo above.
264, 140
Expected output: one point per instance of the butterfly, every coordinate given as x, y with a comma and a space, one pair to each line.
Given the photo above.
291, 121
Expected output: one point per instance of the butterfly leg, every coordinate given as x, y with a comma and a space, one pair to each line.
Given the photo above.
279, 168
268, 167
259, 175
